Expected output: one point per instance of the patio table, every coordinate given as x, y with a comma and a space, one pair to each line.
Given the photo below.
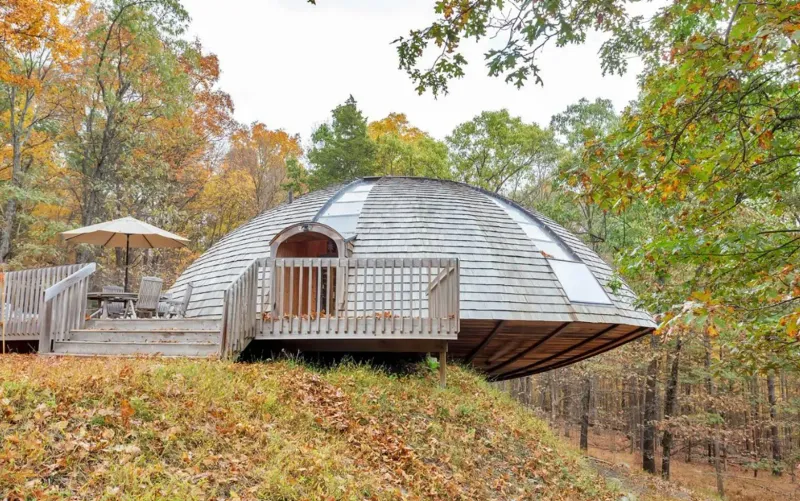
128, 298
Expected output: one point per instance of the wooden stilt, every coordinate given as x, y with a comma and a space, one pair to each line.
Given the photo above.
443, 368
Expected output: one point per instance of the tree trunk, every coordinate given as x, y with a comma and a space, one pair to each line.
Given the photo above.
711, 452
565, 403
585, 404
713, 446
649, 432
689, 440
10, 215
670, 403
553, 400
718, 465
773, 424
633, 412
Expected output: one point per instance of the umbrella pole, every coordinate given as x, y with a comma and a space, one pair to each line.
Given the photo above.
127, 255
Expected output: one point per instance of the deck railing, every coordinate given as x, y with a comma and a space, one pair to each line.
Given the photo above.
23, 295
240, 322
362, 298
64, 307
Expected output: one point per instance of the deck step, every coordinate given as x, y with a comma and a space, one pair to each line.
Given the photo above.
154, 324
134, 336
181, 349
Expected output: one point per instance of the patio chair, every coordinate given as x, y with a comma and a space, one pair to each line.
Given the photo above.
149, 294
180, 306
114, 309
165, 305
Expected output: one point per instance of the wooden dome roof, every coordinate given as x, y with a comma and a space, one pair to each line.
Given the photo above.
519, 269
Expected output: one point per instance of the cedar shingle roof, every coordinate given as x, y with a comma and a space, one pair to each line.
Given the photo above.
503, 274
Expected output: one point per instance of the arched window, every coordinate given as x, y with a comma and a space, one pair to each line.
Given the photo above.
308, 240
302, 284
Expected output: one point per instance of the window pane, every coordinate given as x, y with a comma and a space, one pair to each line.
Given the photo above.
514, 213
535, 232
354, 196
553, 249
579, 283
345, 225
341, 208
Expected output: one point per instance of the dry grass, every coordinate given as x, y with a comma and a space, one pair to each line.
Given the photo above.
178, 429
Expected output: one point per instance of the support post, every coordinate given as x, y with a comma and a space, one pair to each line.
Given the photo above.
127, 256
3, 306
44, 335
443, 367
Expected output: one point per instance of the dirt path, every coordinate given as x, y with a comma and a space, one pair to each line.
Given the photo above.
640, 486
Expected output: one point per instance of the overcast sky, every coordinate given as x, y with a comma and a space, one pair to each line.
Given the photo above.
287, 64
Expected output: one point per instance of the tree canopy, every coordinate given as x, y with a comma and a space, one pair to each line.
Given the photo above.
342, 150
501, 153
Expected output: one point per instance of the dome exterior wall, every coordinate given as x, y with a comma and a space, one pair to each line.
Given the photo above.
504, 275
532, 296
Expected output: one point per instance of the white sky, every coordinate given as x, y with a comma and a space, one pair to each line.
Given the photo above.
287, 64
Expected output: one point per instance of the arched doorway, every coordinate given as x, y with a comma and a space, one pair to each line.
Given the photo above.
306, 270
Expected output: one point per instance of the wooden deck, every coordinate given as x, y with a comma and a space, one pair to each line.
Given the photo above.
291, 299
342, 298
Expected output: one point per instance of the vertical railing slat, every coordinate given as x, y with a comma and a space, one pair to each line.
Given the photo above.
421, 322
394, 287
430, 315
383, 297
307, 293
328, 309
291, 293
281, 288
318, 309
356, 308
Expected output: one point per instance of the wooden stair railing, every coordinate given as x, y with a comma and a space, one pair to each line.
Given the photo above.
23, 294
240, 317
64, 307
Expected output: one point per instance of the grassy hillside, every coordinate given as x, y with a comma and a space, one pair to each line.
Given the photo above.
180, 429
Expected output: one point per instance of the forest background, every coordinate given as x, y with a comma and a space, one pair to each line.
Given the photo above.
107, 110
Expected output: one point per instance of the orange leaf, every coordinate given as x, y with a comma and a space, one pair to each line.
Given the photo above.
126, 412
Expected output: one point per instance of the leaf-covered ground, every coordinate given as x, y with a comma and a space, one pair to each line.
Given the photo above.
180, 429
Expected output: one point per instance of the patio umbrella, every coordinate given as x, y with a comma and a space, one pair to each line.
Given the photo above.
125, 232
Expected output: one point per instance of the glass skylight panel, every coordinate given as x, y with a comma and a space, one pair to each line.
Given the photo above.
354, 196
342, 214
344, 208
541, 239
514, 213
579, 283
534, 232
345, 225
553, 249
